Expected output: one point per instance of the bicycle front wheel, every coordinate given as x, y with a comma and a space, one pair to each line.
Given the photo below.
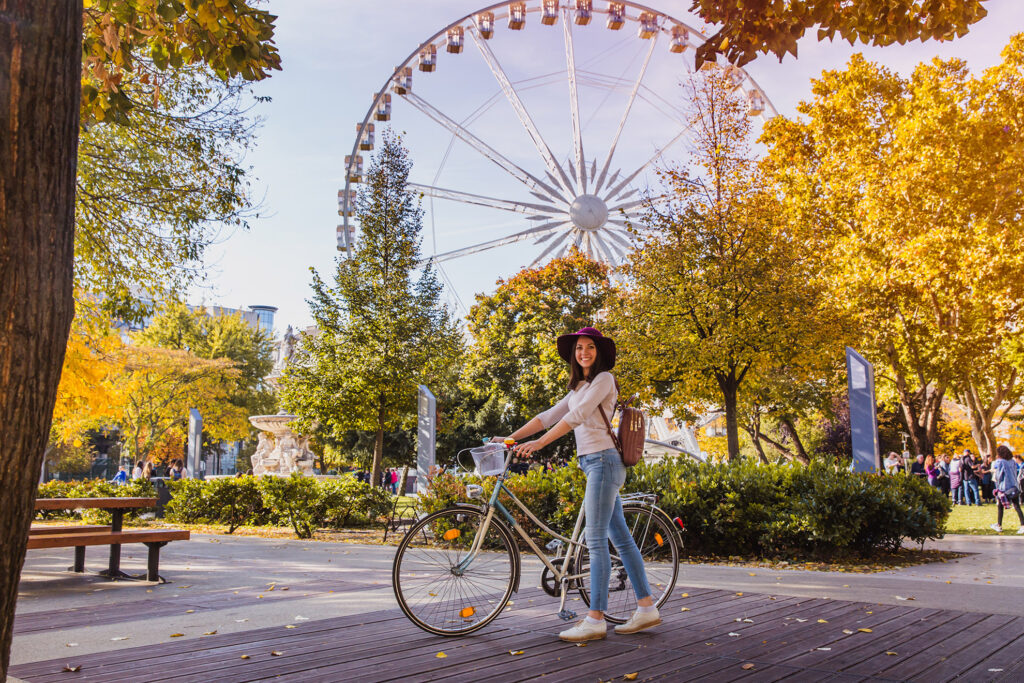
659, 549
441, 584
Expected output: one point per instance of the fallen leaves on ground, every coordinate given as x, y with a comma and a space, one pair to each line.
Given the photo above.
515, 652
290, 626
685, 609
276, 653
297, 618
189, 611
822, 621
909, 597
632, 676
825, 649
177, 635
120, 638
864, 630
441, 655
748, 666
72, 668
244, 657
210, 633
685, 595
848, 632
891, 653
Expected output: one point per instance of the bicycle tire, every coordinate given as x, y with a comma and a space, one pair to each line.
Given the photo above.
432, 593
660, 557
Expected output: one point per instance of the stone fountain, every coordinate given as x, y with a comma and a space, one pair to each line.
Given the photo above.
280, 450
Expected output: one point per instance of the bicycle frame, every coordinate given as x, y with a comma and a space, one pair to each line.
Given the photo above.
573, 543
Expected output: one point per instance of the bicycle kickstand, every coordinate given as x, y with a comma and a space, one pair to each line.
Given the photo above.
563, 613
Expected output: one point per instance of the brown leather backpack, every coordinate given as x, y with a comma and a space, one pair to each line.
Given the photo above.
629, 442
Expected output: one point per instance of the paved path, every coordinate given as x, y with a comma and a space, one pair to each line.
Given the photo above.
338, 599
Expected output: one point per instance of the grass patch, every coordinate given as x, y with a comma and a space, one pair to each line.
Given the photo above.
975, 519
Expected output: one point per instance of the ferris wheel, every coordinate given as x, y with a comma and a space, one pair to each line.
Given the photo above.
524, 144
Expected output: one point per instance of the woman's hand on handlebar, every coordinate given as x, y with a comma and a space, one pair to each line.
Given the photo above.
528, 448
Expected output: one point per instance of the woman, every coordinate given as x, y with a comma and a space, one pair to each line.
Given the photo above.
985, 472
137, 472
1004, 475
177, 470
591, 356
147, 471
955, 480
933, 472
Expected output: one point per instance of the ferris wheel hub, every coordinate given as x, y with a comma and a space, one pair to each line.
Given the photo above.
588, 212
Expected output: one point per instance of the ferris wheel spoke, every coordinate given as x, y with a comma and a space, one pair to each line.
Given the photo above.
611, 251
486, 150
625, 114
542, 210
574, 102
618, 238
657, 155
520, 109
484, 246
562, 237
660, 199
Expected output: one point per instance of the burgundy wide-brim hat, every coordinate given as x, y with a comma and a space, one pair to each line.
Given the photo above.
605, 346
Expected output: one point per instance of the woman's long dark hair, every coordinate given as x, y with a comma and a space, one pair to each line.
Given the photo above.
576, 374
1004, 452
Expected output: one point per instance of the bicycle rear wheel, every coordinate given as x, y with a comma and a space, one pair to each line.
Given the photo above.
438, 587
659, 548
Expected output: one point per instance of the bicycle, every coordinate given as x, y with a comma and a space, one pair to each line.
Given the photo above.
456, 569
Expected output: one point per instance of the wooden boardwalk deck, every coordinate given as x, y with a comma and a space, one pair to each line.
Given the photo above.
723, 636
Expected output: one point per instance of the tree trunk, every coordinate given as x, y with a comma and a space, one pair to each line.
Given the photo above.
801, 454
40, 63
405, 479
378, 449
728, 385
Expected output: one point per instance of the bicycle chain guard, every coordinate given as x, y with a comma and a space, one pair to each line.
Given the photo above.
547, 579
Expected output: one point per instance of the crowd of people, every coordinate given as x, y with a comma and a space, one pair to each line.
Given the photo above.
147, 470
969, 479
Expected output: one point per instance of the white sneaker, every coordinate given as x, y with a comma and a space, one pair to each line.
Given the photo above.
996, 528
640, 621
1020, 530
584, 631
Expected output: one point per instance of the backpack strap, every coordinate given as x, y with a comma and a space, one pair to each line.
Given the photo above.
611, 433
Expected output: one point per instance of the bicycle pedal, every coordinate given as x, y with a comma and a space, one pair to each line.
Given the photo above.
567, 615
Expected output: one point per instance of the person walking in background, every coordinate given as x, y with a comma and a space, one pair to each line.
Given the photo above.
147, 471
891, 465
1004, 476
917, 468
137, 472
932, 471
968, 465
121, 478
942, 462
177, 470
984, 472
956, 480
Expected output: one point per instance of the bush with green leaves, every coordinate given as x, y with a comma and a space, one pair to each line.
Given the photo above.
303, 503
93, 488
746, 508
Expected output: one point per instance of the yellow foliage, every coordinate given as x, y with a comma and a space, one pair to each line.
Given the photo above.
954, 437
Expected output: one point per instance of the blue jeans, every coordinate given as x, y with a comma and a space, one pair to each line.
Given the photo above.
603, 510
970, 487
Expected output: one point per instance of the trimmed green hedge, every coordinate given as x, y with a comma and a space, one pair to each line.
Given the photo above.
746, 508
304, 503
93, 488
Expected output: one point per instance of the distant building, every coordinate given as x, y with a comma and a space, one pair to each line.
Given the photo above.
260, 317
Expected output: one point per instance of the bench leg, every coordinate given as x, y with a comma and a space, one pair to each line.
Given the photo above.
153, 564
113, 570
79, 559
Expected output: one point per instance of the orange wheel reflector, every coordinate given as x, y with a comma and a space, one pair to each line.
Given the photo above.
451, 534
467, 612
659, 539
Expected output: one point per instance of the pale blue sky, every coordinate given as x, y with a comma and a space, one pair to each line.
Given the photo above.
336, 53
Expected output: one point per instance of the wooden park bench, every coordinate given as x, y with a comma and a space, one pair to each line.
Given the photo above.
78, 537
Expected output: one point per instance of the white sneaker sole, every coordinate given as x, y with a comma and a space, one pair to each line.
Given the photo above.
583, 639
625, 632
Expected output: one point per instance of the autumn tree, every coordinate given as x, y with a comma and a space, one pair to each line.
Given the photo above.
52, 68
752, 27
159, 386
381, 330
513, 370
721, 292
914, 182
212, 335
